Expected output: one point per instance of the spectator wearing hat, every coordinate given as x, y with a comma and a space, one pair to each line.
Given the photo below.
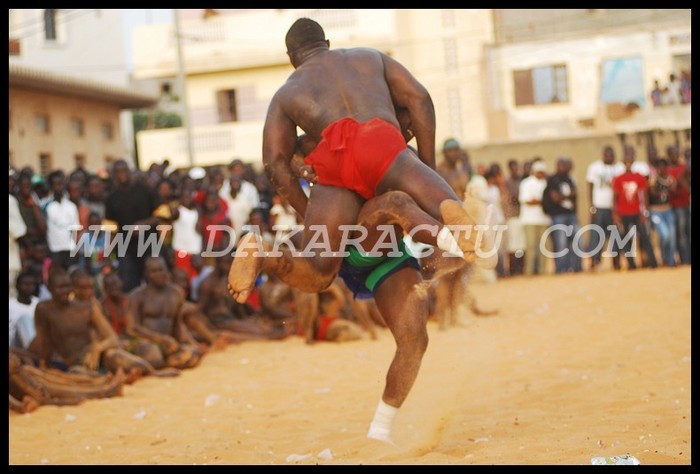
450, 167
533, 218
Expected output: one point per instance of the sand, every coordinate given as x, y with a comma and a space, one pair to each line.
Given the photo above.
572, 367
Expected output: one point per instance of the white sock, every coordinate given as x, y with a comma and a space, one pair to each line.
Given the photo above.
447, 242
380, 428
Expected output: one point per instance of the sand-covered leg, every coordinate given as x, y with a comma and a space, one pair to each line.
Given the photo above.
474, 236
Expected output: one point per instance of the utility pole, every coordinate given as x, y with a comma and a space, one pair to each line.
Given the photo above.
183, 89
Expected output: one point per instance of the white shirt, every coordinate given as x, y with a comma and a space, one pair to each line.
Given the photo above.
185, 235
285, 217
478, 187
17, 229
494, 198
60, 217
601, 176
248, 191
641, 167
17, 311
673, 94
532, 214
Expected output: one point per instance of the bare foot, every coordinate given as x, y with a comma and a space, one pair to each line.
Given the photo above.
245, 267
474, 242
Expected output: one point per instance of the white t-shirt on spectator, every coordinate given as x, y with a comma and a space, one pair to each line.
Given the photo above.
532, 214
601, 176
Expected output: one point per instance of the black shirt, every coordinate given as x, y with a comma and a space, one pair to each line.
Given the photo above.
130, 205
565, 186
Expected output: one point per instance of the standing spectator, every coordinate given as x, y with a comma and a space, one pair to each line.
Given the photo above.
661, 187
672, 92
600, 175
515, 236
18, 229
187, 240
29, 207
75, 194
656, 94
130, 204
680, 203
495, 192
239, 204
282, 215
533, 218
629, 190
214, 213
62, 222
685, 87
95, 198
560, 203
265, 193
451, 169
248, 191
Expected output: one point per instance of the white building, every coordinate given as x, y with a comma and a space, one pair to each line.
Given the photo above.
85, 44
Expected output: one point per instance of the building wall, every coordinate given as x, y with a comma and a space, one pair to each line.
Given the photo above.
89, 43
583, 58
251, 59
61, 143
515, 25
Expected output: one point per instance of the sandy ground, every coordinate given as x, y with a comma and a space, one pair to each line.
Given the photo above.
573, 367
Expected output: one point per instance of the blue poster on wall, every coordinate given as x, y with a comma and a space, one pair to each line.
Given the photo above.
623, 82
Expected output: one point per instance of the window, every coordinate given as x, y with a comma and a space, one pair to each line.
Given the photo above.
42, 124
107, 131
450, 48
50, 24
542, 85
448, 18
226, 103
623, 82
78, 127
45, 164
454, 106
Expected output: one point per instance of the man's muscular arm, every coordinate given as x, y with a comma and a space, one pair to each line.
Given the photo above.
408, 93
279, 143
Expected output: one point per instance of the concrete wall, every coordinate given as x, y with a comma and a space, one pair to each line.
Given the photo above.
90, 43
26, 143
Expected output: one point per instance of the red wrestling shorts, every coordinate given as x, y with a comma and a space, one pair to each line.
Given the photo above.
356, 155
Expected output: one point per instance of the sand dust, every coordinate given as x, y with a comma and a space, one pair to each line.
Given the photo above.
573, 367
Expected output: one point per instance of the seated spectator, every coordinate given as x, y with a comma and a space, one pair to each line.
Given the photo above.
155, 313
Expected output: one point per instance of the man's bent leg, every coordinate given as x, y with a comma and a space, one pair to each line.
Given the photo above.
330, 207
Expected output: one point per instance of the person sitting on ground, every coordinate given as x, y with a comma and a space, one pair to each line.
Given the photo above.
155, 314
115, 307
31, 387
79, 333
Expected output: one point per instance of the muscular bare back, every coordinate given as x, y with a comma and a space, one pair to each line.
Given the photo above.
333, 84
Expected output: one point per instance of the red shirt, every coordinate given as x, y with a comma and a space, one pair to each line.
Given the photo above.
681, 198
627, 187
